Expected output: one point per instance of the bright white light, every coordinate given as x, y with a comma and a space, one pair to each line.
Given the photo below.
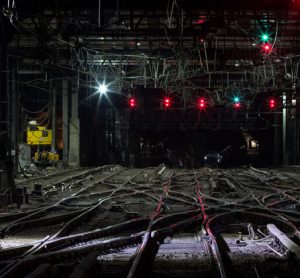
102, 89
253, 144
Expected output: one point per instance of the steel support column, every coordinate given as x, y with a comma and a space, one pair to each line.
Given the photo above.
284, 149
14, 122
74, 153
277, 139
65, 122
53, 120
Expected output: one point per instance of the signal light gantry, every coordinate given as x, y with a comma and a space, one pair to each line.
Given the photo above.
201, 103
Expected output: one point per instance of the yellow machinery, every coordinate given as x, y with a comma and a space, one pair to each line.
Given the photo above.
38, 135
41, 138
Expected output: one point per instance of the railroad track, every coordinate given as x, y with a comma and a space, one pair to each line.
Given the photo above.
141, 222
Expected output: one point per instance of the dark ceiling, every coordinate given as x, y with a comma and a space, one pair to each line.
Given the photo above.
157, 4
174, 44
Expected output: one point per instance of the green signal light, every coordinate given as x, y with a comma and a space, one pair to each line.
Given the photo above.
236, 99
264, 37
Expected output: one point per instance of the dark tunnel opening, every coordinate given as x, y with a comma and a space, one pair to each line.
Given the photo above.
171, 147
186, 149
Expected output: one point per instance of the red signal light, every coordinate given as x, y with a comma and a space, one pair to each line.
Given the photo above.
272, 103
167, 102
201, 103
266, 47
132, 102
237, 105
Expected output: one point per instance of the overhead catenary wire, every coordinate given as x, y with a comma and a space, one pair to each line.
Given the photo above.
187, 72
36, 111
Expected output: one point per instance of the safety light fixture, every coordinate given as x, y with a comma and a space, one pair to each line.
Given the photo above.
102, 88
